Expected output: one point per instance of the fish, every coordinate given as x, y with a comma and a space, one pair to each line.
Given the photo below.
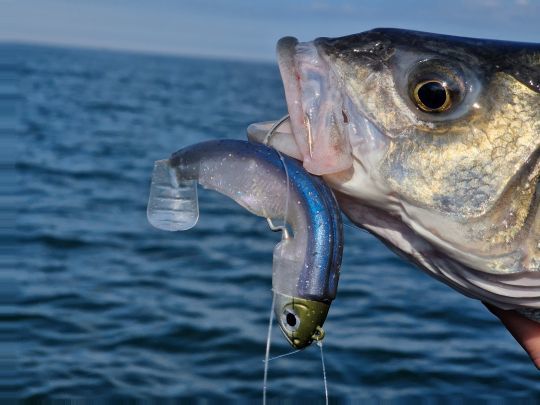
430, 142
306, 261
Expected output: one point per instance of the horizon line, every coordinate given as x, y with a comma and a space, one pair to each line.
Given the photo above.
138, 51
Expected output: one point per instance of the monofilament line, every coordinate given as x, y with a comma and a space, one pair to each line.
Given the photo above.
267, 354
319, 343
284, 355
285, 216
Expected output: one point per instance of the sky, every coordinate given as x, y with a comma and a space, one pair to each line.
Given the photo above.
249, 29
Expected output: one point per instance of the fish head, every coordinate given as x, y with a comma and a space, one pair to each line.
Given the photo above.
431, 142
300, 319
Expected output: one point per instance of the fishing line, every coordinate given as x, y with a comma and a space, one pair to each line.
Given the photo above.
267, 353
285, 235
283, 355
319, 343
267, 358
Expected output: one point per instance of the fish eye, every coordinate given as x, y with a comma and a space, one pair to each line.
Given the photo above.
441, 88
432, 96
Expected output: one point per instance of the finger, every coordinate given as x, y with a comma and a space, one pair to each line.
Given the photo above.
525, 331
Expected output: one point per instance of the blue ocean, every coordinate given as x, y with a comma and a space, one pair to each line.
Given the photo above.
98, 304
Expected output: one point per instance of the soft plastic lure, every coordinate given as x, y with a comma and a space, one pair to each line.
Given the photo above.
306, 261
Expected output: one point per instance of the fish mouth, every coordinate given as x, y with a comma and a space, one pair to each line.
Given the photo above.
316, 111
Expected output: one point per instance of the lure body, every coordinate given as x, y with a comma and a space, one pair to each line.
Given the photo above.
307, 260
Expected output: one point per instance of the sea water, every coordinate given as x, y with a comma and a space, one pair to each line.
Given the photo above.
98, 303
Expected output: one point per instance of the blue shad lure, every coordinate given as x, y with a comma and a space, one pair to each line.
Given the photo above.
307, 260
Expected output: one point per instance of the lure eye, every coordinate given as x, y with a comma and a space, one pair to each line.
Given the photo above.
432, 96
291, 320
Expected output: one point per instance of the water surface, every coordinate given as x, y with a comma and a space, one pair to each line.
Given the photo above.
99, 304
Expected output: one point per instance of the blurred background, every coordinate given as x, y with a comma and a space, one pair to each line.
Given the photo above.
97, 304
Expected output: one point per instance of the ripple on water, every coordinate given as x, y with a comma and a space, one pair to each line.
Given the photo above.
105, 306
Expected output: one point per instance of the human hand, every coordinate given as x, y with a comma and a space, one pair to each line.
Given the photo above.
525, 331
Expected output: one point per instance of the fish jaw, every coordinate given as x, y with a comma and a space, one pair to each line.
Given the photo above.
316, 107
327, 128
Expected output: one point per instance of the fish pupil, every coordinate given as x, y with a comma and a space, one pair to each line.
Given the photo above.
433, 95
290, 319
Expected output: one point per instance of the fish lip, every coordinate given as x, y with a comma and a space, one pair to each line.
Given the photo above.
290, 76
286, 51
315, 102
